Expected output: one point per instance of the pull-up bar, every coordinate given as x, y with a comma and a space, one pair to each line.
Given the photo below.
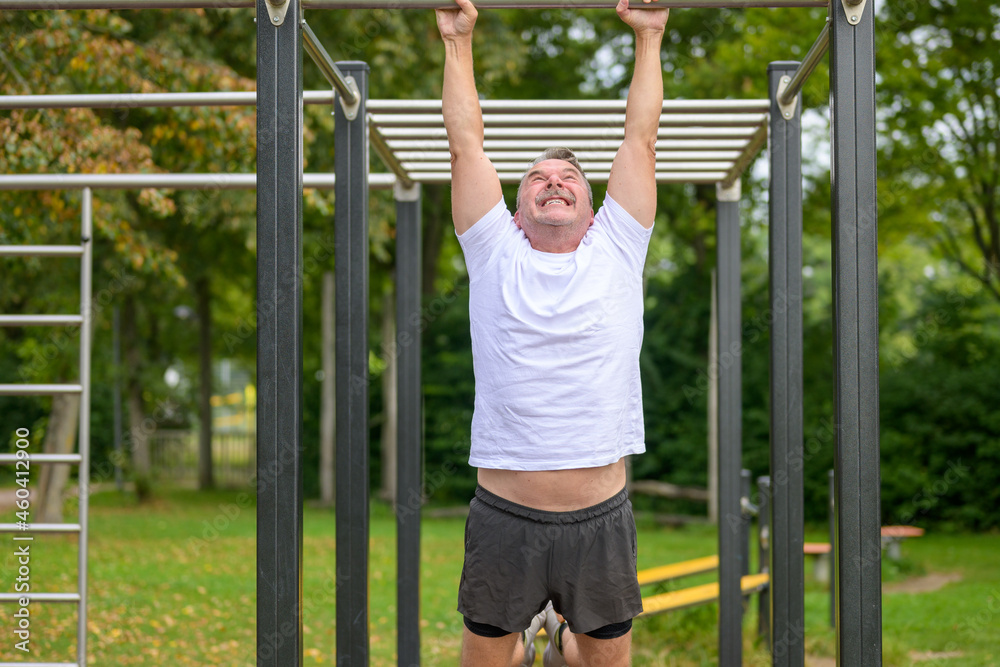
399, 4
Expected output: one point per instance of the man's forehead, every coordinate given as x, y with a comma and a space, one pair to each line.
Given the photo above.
554, 164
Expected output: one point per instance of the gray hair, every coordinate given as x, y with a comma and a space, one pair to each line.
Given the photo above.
556, 153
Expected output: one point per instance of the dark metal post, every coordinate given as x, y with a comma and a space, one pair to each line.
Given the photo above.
745, 490
116, 362
787, 589
855, 293
730, 427
279, 338
833, 540
351, 259
409, 442
764, 558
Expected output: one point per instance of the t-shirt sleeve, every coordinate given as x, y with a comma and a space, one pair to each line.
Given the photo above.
481, 241
627, 237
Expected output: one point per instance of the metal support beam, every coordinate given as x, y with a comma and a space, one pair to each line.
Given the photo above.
409, 441
764, 557
351, 264
857, 548
83, 446
805, 69
389, 4
345, 86
730, 427
279, 340
785, 263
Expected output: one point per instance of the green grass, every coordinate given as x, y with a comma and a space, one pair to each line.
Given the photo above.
173, 583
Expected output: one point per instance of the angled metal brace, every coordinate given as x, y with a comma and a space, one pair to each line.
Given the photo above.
854, 9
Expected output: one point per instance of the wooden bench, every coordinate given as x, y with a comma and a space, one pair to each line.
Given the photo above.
893, 535
821, 568
697, 595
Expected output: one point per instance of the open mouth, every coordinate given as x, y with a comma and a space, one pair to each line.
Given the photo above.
555, 201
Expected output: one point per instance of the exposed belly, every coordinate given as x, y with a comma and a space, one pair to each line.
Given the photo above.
556, 490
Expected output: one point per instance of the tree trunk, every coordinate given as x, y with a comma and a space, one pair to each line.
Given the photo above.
328, 400
203, 296
389, 386
137, 441
60, 436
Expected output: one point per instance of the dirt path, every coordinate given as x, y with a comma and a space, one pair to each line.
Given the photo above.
925, 584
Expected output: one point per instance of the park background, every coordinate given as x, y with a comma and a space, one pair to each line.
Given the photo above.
178, 268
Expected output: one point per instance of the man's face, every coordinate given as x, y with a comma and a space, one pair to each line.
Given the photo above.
554, 194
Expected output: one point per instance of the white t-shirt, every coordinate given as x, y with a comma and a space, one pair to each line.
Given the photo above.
555, 344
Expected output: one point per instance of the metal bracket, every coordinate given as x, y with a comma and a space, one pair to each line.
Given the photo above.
350, 110
732, 193
787, 110
402, 193
276, 10
854, 9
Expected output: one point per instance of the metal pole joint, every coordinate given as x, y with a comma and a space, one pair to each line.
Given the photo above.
350, 108
854, 9
787, 108
731, 192
276, 10
403, 192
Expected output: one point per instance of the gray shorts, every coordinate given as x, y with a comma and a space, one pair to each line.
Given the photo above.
518, 558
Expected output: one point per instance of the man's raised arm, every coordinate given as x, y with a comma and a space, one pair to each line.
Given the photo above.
475, 186
633, 173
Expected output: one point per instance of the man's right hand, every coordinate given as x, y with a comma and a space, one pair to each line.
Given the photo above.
457, 23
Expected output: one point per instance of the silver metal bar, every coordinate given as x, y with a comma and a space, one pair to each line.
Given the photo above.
553, 134
40, 251
593, 166
395, 4
326, 97
749, 153
43, 458
40, 597
142, 181
39, 664
39, 320
809, 63
527, 156
599, 122
86, 289
326, 65
377, 142
574, 106
554, 4
38, 389
39, 528
512, 177
583, 145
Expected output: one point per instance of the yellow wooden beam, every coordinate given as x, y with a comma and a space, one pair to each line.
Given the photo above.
686, 568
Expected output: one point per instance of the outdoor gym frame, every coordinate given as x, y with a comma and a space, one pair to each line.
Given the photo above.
849, 35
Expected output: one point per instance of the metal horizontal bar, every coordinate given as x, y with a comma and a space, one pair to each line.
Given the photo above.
40, 528
40, 597
553, 134
554, 4
574, 106
41, 251
809, 63
326, 65
39, 320
42, 458
166, 181
511, 177
599, 122
394, 4
39, 664
593, 166
527, 156
39, 389
594, 145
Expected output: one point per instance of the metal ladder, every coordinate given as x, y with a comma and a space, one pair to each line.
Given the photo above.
24, 533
